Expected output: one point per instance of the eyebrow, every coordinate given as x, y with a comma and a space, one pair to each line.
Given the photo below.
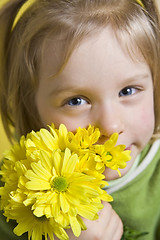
138, 77
70, 88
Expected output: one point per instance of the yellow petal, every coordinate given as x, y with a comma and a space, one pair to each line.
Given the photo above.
119, 172
46, 160
30, 144
114, 137
90, 192
63, 131
64, 203
99, 165
76, 228
106, 197
31, 175
39, 211
87, 211
47, 212
40, 171
82, 224
56, 157
69, 162
95, 136
48, 139
38, 185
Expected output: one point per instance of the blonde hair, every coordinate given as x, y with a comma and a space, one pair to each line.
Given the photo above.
73, 20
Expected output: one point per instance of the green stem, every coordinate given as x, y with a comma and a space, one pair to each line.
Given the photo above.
130, 234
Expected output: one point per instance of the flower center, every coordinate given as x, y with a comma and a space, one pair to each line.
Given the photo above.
108, 157
60, 184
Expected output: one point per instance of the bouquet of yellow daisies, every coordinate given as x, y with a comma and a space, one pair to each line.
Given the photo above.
52, 178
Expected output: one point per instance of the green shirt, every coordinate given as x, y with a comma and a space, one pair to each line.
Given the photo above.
137, 200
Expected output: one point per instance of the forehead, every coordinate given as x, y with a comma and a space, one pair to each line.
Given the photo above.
99, 56
54, 51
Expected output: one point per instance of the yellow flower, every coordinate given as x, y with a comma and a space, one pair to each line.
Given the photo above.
13, 167
111, 156
36, 227
53, 177
11, 157
47, 140
59, 191
83, 139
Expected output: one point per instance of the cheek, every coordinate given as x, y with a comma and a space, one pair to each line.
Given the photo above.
147, 121
71, 124
57, 118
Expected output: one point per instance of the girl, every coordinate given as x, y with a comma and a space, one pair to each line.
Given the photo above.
89, 62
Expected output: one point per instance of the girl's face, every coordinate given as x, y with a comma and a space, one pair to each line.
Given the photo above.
100, 85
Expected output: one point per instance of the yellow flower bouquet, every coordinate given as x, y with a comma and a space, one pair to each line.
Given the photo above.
52, 178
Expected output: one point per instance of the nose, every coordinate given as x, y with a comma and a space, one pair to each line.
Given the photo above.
109, 119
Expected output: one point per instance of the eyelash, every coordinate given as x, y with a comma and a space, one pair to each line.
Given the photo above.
124, 92
78, 100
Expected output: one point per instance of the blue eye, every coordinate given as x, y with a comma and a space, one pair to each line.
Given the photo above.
127, 91
76, 101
